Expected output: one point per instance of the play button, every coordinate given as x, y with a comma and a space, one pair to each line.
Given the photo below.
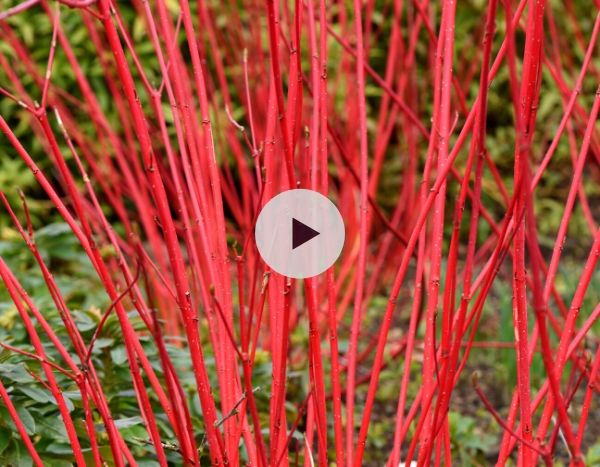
299, 233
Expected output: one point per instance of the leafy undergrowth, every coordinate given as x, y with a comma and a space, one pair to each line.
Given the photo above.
474, 432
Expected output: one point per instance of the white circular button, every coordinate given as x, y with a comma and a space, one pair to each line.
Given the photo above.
299, 233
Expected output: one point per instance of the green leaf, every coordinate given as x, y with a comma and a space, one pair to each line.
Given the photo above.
129, 421
19, 456
103, 342
15, 373
5, 438
135, 432
52, 427
54, 229
593, 455
147, 463
59, 449
85, 321
118, 355
57, 463
37, 394
27, 419
69, 403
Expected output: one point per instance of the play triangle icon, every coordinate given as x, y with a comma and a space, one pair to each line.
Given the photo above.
301, 233
288, 245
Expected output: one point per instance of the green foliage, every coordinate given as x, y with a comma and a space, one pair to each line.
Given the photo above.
470, 442
35, 404
592, 457
87, 300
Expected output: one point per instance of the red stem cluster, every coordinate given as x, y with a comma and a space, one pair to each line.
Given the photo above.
254, 100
